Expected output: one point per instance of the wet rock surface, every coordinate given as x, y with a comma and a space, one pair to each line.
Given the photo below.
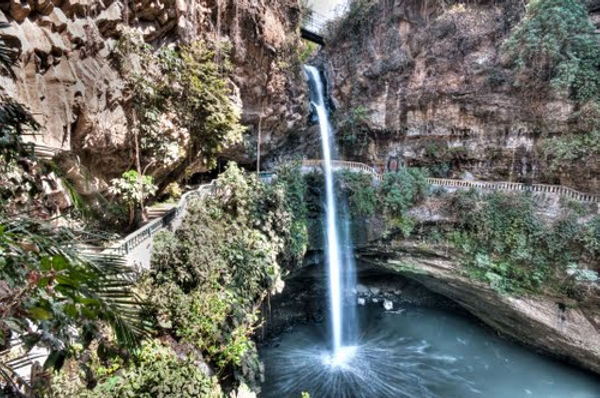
552, 325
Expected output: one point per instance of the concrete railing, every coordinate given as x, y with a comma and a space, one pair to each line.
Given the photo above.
131, 245
170, 220
45, 152
516, 186
342, 164
558, 190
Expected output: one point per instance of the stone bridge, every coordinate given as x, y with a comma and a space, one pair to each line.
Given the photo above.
312, 29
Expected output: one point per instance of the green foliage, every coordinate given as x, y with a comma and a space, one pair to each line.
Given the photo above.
47, 283
16, 179
207, 111
590, 238
359, 190
401, 190
352, 128
189, 82
132, 187
395, 194
292, 182
174, 191
582, 275
8, 56
206, 294
157, 372
357, 22
555, 44
563, 150
508, 245
308, 51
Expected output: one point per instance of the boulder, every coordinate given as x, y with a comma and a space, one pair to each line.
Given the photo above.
388, 305
58, 46
36, 39
44, 7
108, 19
76, 32
19, 10
56, 20
362, 289
76, 8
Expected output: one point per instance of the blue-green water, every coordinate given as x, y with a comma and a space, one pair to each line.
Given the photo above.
417, 353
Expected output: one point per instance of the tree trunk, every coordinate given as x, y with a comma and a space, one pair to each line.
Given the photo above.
258, 142
131, 214
138, 166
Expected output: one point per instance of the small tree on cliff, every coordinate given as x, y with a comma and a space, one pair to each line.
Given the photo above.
555, 44
133, 189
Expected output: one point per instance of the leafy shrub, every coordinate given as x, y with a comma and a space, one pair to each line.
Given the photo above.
133, 189
359, 190
174, 191
401, 190
555, 43
293, 183
157, 372
510, 247
206, 294
189, 82
565, 149
353, 134
48, 290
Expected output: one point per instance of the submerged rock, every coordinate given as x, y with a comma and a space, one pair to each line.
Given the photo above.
388, 305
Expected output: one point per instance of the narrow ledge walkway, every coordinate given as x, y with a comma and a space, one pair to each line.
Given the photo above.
136, 248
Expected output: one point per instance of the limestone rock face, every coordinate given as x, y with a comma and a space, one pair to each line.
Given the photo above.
431, 78
549, 324
68, 77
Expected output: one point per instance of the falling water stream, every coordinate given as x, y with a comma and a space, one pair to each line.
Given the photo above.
338, 260
408, 353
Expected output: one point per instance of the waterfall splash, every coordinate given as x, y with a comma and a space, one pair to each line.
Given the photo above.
339, 253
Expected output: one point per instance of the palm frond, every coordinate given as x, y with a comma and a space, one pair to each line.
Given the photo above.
13, 362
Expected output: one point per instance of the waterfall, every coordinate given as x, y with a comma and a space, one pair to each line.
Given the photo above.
339, 256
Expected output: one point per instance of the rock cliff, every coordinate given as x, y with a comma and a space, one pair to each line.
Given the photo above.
430, 80
549, 324
69, 80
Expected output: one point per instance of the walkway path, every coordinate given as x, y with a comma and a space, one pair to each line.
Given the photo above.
136, 247
558, 190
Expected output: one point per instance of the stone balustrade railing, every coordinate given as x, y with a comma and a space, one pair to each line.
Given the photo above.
173, 217
516, 186
45, 152
558, 190
170, 220
342, 164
